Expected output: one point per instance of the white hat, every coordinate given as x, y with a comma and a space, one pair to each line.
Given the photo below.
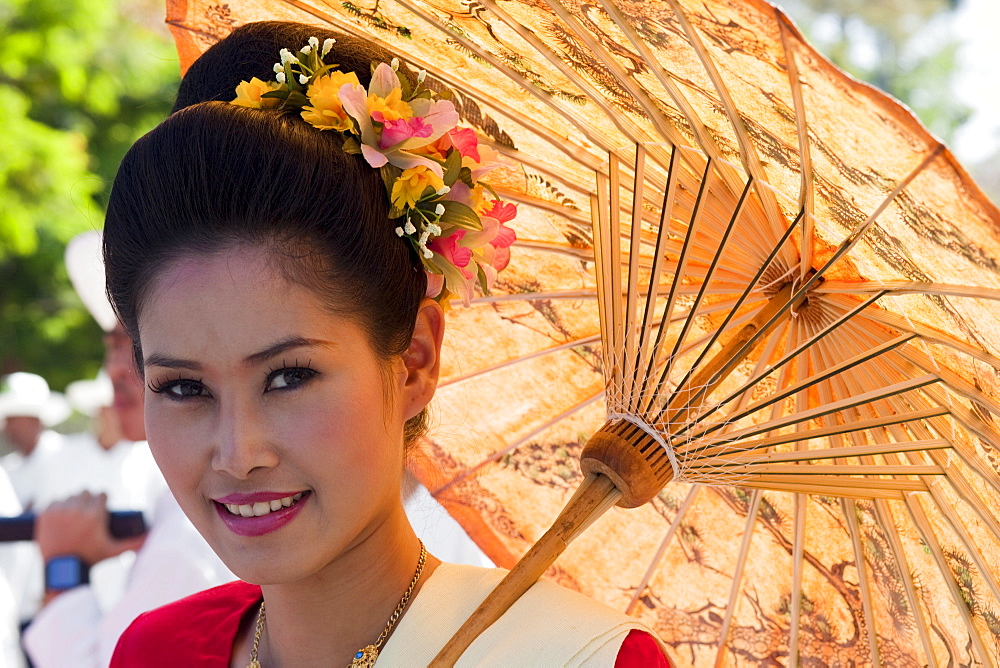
85, 266
28, 395
89, 396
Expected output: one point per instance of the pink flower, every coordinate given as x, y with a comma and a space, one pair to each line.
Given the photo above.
450, 249
502, 211
461, 193
454, 260
501, 237
394, 132
439, 115
487, 161
501, 258
465, 140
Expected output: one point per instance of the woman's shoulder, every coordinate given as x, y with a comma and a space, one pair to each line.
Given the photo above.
195, 630
473, 582
548, 625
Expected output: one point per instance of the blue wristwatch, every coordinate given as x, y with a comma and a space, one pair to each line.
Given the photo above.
65, 572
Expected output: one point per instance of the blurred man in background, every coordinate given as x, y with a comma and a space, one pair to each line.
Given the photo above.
27, 409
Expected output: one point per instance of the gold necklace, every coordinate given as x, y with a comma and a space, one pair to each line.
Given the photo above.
366, 656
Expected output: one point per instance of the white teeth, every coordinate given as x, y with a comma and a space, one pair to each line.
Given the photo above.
262, 507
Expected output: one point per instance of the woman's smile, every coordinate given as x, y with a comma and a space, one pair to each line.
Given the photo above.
260, 513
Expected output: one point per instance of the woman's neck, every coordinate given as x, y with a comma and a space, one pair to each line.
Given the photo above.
325, 619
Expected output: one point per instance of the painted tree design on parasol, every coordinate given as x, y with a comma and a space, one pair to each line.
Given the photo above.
765, 644
551, 464
376, 18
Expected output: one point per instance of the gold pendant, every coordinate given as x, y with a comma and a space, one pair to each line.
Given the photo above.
254, 664
365, 658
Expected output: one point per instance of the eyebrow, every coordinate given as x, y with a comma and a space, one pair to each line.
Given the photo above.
273, 350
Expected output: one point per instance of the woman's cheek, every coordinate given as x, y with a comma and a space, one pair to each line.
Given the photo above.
174, 442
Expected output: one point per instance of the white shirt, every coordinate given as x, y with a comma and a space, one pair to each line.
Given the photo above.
12, 556
27, 474
76, 629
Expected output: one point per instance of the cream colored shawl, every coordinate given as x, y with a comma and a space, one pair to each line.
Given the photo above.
548, 626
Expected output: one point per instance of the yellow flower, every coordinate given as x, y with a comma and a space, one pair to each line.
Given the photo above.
437, 149
326, 112
479, 202
411, 184
248, 94
392, 108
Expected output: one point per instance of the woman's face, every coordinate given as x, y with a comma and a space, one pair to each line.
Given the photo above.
268, 416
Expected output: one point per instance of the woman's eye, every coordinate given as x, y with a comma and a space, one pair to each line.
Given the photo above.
288, 377
180, 389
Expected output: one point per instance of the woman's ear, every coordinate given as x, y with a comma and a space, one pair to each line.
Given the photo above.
422, 358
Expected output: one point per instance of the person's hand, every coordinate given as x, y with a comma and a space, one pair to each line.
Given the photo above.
79, 526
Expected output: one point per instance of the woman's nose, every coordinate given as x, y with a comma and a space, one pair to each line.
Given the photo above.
242, 445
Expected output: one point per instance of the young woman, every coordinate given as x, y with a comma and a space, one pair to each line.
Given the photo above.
275, 253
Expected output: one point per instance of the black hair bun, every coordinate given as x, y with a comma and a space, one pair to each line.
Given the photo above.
252, 50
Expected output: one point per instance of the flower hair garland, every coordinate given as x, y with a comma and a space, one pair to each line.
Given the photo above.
431, 167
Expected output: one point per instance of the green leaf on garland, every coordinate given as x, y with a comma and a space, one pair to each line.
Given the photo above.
390, 174
297, 100
352, 146
489, 189
452, 167
459, 215
483, 284
465, 175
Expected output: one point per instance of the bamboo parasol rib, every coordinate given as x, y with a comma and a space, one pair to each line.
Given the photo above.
737, 270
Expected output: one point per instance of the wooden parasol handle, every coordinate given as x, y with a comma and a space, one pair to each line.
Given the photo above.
596, 495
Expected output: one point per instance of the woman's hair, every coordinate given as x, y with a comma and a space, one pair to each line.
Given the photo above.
214, 176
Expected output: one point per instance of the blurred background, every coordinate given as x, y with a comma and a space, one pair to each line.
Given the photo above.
80, 80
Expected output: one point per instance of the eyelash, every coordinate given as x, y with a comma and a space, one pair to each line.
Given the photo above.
164, 387
307, 368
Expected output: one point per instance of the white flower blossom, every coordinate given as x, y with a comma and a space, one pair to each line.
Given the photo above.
409, 229
444, 190
327, 45
421, 75
306, 49
303, 79
395, 63
439, 209
314, 42
428, 253
280, 77
434, 229
399, 231
278, 67
287, 57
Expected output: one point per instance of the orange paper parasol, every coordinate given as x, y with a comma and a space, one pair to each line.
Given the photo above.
766, 275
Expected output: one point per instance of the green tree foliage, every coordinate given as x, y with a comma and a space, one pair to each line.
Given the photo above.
903, 47
80, 80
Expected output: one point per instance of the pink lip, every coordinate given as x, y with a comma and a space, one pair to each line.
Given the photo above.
258, 526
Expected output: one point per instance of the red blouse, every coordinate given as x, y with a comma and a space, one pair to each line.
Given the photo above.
200, 630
